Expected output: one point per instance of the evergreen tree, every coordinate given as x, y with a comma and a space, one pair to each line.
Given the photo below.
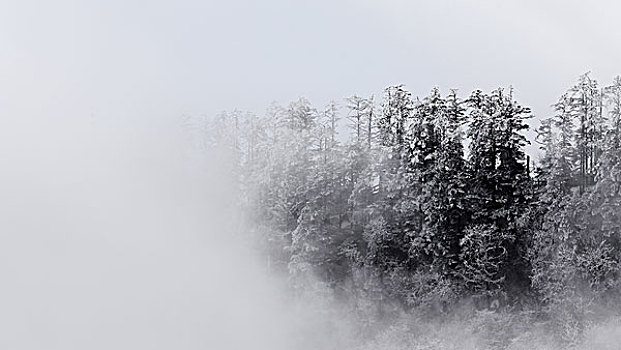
498, 196
584, 105
437, 160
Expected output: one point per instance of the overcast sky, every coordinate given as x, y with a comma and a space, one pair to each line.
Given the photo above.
116, 59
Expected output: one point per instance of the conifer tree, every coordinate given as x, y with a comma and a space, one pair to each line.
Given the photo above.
494, 246
437, 160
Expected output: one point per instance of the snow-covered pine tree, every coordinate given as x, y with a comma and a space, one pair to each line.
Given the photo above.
393, 202
584, 105
438, 164
387, 235
498, 196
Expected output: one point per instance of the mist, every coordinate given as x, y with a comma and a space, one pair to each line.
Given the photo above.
120, 228
119, 238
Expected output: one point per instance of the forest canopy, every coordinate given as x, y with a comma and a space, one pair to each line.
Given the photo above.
429, 203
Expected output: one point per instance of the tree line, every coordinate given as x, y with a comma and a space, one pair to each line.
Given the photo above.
431, 201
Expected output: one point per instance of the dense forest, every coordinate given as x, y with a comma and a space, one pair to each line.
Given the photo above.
428, 205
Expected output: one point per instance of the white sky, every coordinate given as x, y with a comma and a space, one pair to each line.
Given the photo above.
114, 59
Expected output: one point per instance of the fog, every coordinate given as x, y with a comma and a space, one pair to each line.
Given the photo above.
117, 232
118, 238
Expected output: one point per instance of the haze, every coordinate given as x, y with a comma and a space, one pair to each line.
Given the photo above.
111, 235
